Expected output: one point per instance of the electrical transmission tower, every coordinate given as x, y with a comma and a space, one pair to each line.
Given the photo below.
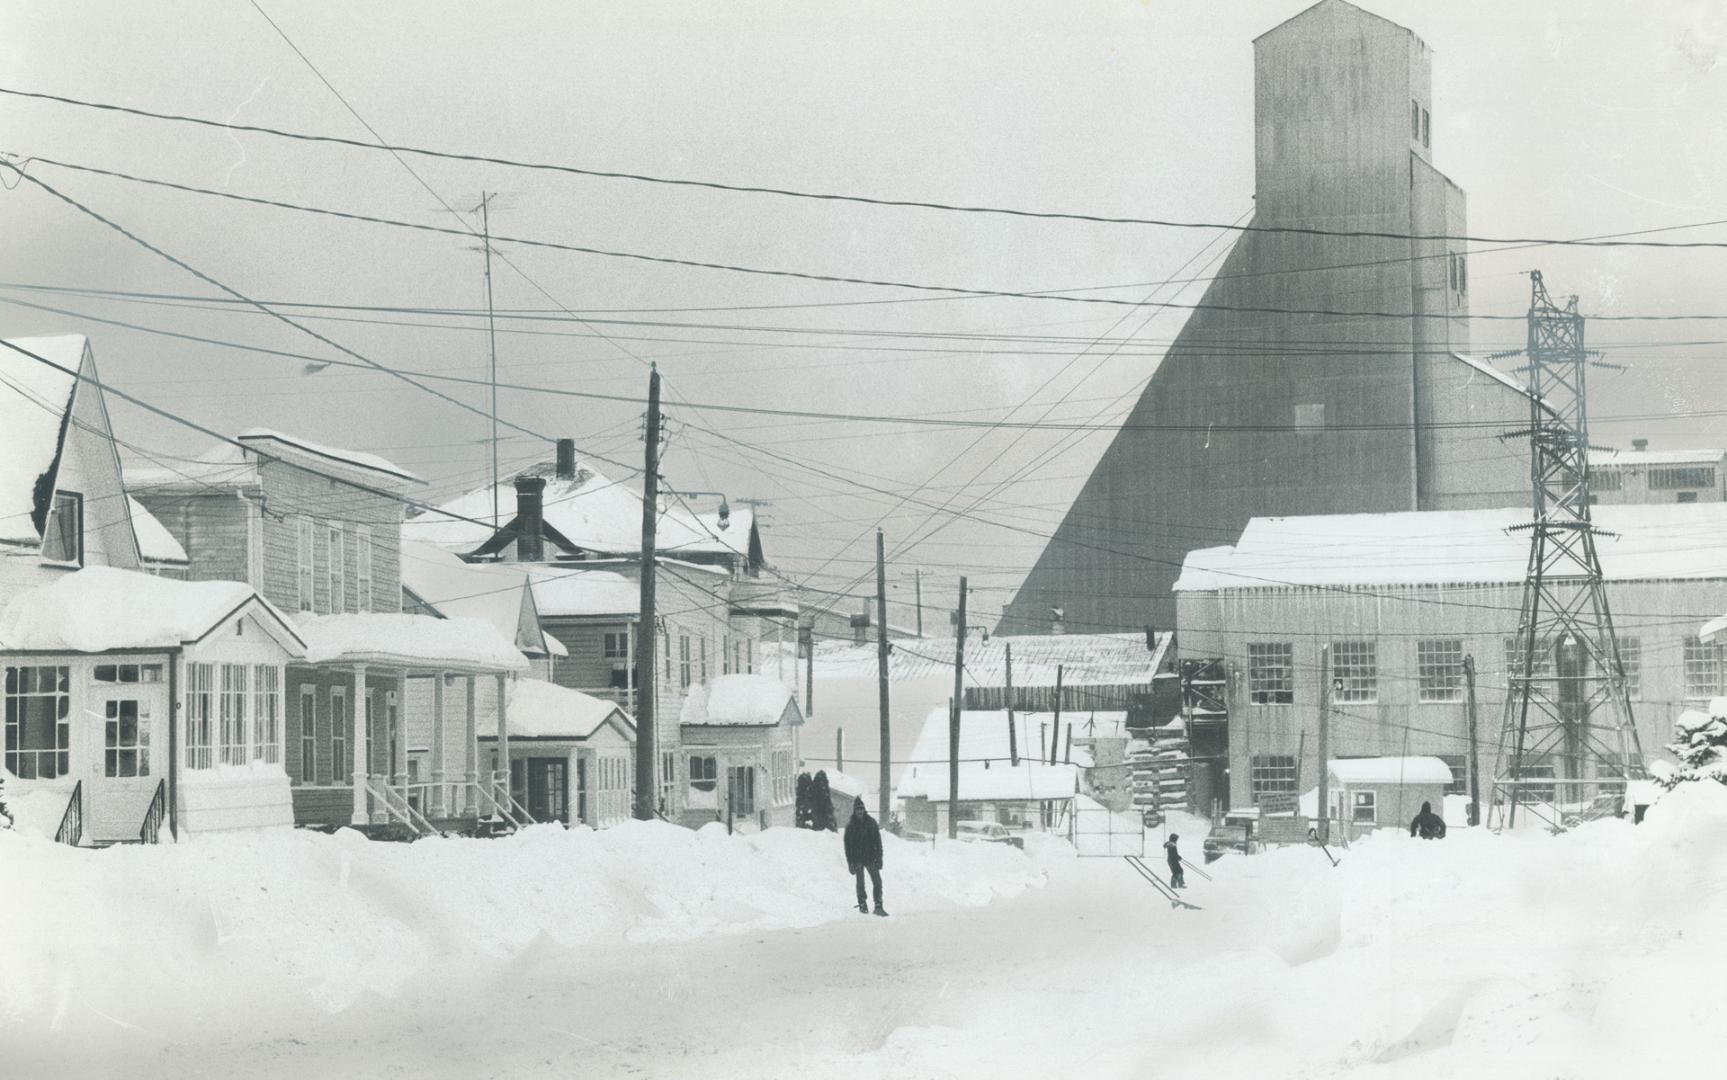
1568, 728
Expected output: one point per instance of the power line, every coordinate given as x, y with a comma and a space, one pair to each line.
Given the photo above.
397, 149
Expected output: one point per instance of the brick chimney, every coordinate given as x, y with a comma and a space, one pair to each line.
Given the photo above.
530, 517
1639, 444
566, 459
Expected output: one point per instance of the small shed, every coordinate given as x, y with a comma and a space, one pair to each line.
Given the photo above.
1029, 795
571, 754
738, 751
1378, 792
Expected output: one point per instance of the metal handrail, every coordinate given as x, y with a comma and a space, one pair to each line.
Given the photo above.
71, 829
151, 831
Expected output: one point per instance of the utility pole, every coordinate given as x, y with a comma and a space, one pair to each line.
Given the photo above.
885, 771
1012, 735
1055, 729
1324, 744
917, 589
839, 749
1474, 749
646, 735
1300, 759
954, 711
492, 343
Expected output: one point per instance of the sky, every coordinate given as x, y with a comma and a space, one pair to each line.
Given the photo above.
1561, 119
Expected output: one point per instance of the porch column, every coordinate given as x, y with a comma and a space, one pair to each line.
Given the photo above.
399, 776
437, 803
503, 732
471, 748
362, 809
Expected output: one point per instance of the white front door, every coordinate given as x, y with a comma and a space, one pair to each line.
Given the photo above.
126, 728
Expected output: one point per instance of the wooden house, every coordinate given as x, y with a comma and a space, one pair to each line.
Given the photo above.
738, 750
571, 755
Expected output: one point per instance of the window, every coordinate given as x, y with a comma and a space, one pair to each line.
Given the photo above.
1355, 665
1606, 479
362, 568
782, 777
63, 539
1459, 766
129, 673
1271, 672
308, 736
126, 737
231, 713
1415, 119
1440, 667
1426, 129
303, 560
684, 661
1527, 793
668, 777
266, 713
338, 572
726, 654
668, 640
38, 722
1514, 662
1463, 273
1631, 659
615, 645
200, 716
1272, 774
1362, 807
1702, 670
741, 789
1687, 496
750, 655
1310, 417
704, 772
1453, 262
704, 642
341, 765
1671, 477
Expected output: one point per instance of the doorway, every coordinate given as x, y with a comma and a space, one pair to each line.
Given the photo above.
549, 789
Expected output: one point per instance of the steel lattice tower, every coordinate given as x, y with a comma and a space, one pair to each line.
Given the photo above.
1566, 703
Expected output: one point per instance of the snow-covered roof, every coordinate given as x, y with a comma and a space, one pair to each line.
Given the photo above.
336, 455
1085, 659
100, 608
591, 511
739, 701
409, 641
1713, 628
537, 709
495, 592
1661, 541
1631, 459
983, 736
223, 465
568, 590
846, 784
995, 783
156, 545
1390, 770
34, 401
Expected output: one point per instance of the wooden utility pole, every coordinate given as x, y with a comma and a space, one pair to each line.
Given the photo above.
1012, 734
953, 717
809, 677
647, 744
839, 749
1300, 756
917, 589
1474, 759
885, 772
492, 343
1324, 744
1055, 729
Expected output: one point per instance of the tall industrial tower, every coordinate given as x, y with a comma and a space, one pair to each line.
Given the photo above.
1567, 704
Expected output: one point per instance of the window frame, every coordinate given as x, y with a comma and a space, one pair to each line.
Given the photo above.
17, 720
305, 562
114, 747
233, 716
618, 650
363, 582
1631, 662
1701, 658
341, 763
267, 713
1265, 684
336, 571
54, 528
201, 709
308, 734
684, 661
1439, 671
1355, 663
1363, 800
1272, 774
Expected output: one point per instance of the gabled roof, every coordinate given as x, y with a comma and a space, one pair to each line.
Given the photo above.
35, 409
537, 709
446, 587
293, 446
230, 467
1028, 782
983, 736
740, 701
587, 515
1640, 542
1328, 5
99, 609
156, 545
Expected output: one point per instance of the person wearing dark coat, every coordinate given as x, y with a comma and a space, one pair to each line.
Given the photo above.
1177, 879
1427, 824
863, 852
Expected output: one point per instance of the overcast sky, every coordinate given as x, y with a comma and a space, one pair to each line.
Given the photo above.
1559, 119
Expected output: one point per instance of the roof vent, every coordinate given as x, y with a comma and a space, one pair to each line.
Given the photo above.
1639, 444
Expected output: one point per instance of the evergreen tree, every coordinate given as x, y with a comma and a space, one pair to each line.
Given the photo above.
822, 802
805, 818
1700, 744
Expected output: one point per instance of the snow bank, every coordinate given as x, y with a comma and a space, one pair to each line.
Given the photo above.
231, 922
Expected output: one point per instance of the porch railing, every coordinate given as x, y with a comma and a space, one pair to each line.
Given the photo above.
492, 791
72, 822
397, 807
151, 831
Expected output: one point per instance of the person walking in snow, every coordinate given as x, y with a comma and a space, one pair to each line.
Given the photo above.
1177, 879
1427, 824
863, 852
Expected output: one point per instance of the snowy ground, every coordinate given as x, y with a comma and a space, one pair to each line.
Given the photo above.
650, 951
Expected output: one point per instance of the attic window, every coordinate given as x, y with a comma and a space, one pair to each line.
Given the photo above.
1415, 119
63, 540
1426, 130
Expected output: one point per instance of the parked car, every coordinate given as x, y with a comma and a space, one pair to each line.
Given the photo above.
1611, 804
988, 832
1224, 839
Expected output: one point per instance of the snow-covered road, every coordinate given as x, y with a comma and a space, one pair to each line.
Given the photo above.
1576, 956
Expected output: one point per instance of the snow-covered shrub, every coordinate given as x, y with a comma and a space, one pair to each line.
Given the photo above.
1700, 744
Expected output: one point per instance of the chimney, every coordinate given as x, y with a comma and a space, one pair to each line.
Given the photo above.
566, 459
1639, 444
530, 516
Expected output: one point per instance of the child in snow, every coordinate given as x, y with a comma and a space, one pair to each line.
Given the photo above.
863, 852
1427, 824
1176, 878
